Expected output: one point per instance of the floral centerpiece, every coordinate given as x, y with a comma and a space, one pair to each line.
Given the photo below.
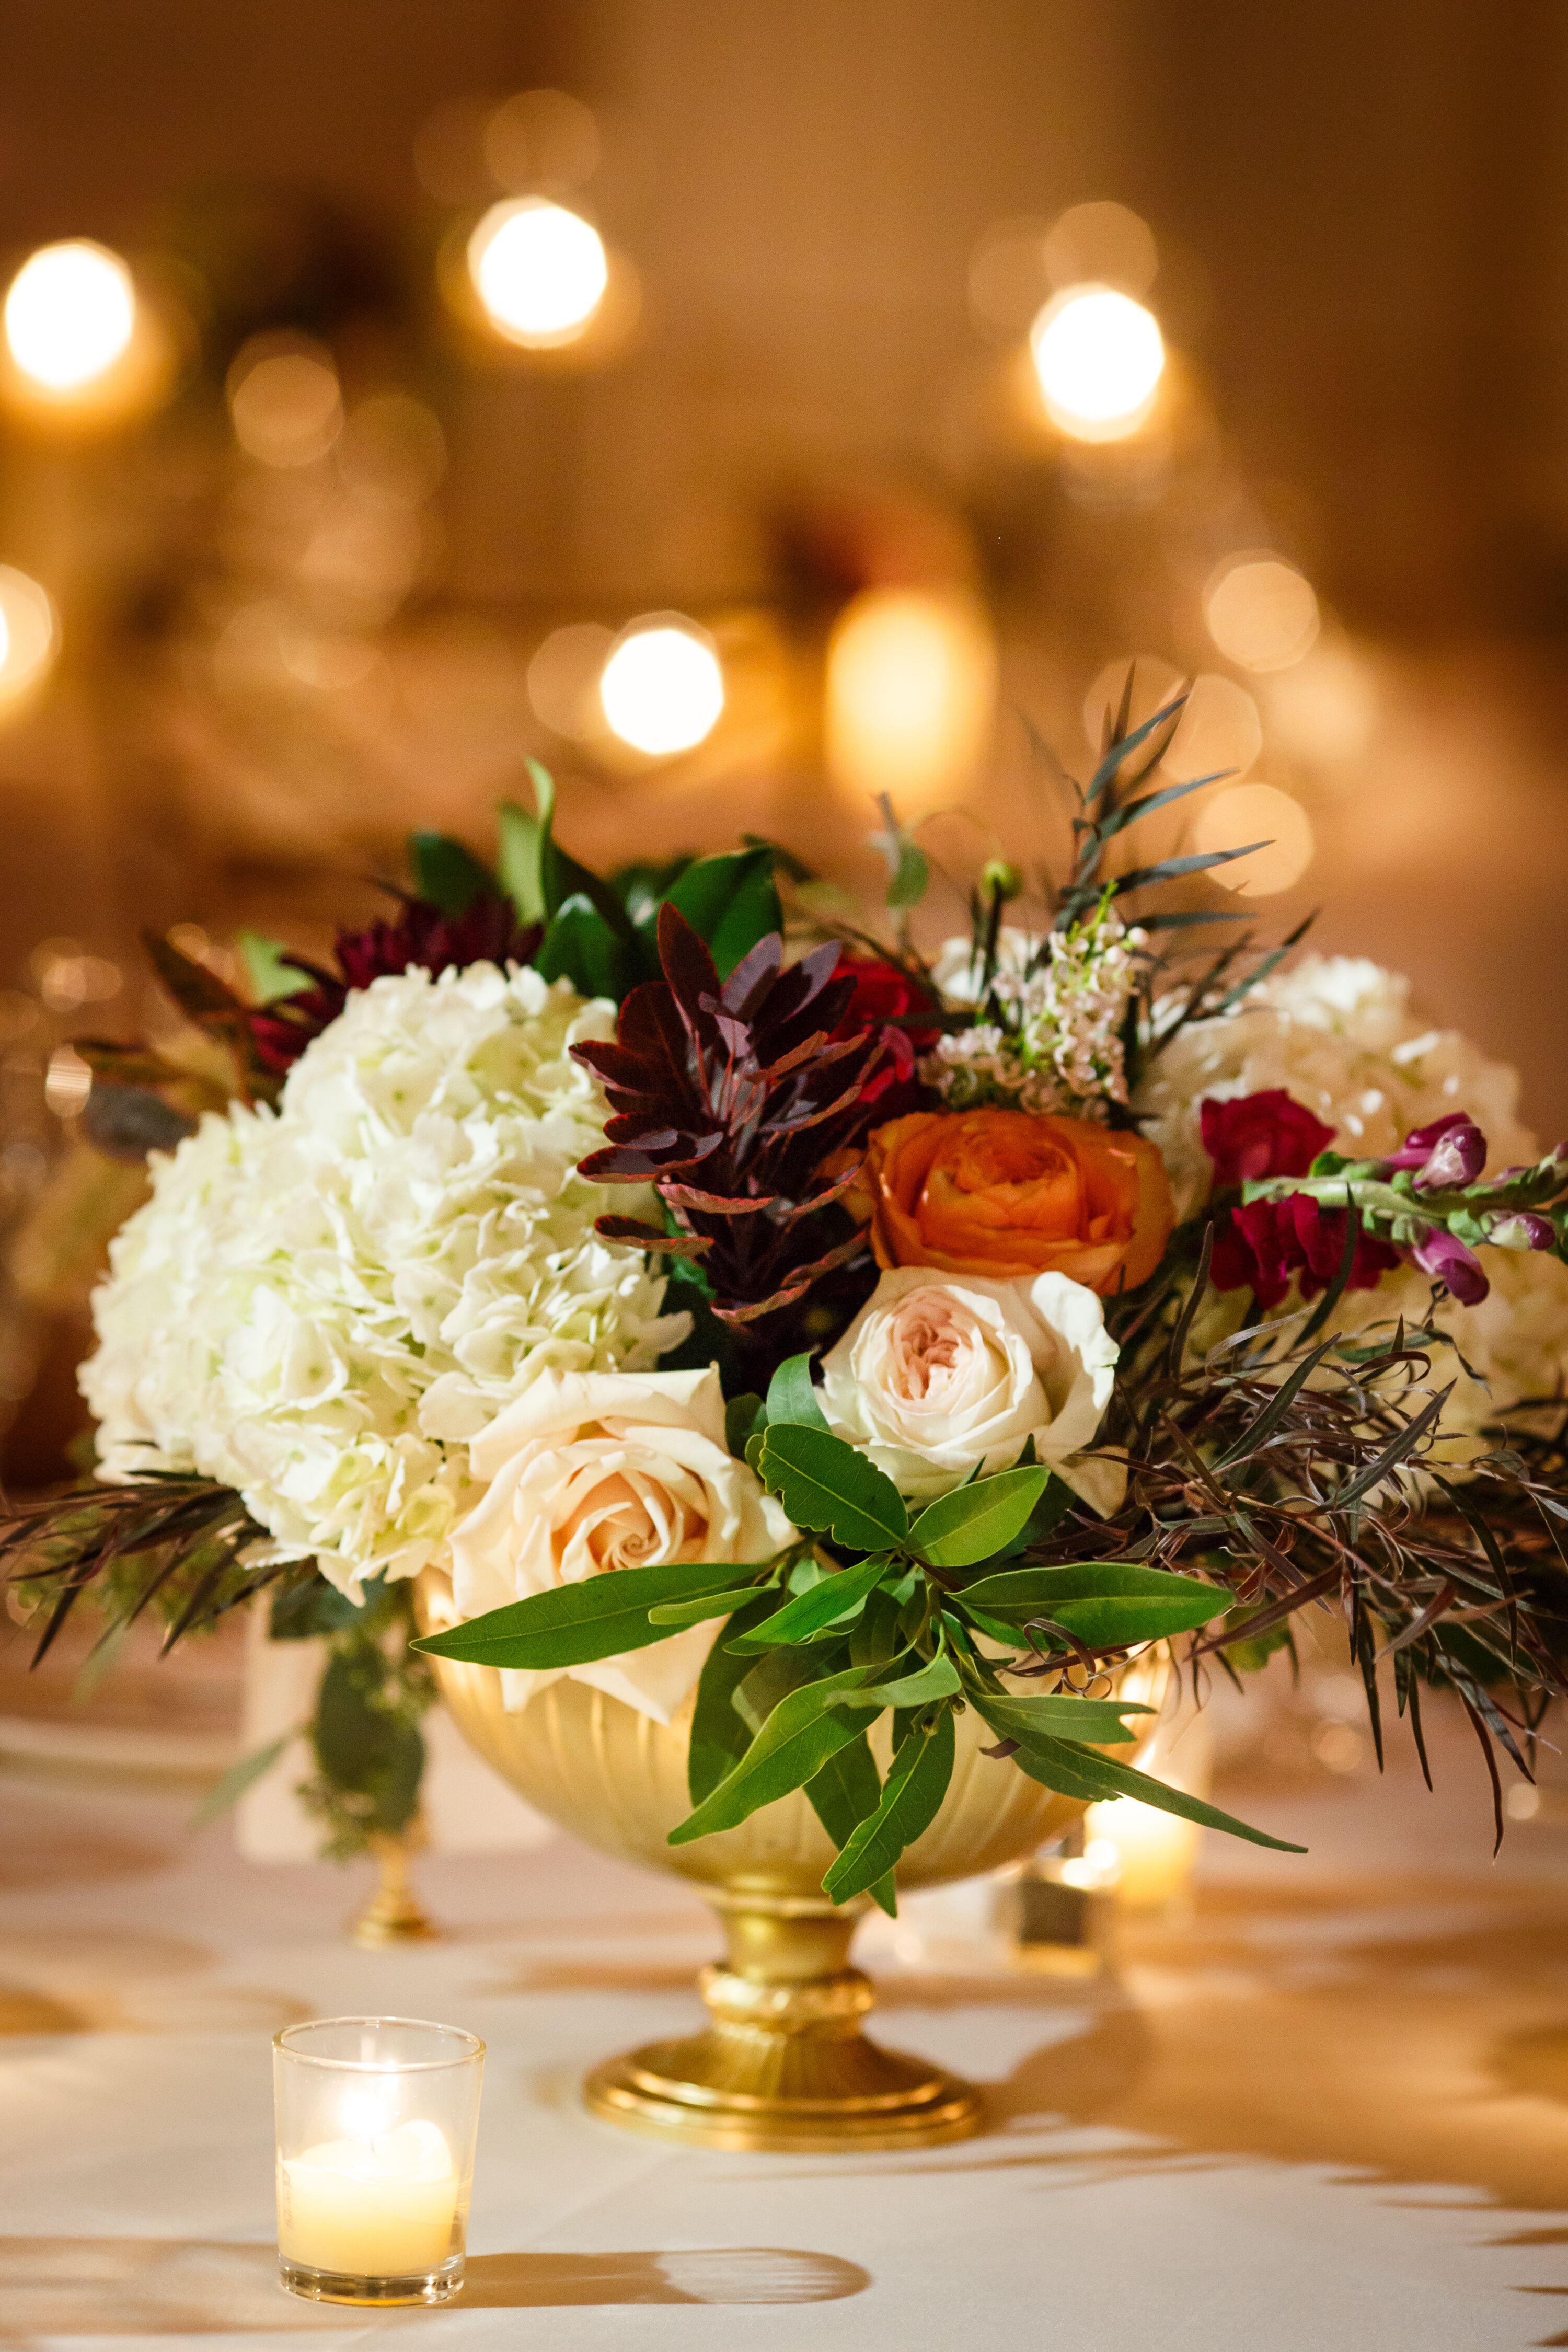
776, 1327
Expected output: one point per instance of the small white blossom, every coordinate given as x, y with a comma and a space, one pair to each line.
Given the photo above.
320, 1306
1061, 1047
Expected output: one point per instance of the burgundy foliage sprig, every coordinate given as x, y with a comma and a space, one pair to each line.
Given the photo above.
729, 1098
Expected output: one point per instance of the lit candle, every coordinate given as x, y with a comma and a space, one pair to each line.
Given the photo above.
1145, 1855
380, 2208
376, 2120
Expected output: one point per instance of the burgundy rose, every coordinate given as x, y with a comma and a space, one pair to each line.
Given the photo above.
421, 938
1268, 1244
884, 998
1255, 1136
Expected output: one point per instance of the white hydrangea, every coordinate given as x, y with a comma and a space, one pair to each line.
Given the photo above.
319, 1306
1338, 1035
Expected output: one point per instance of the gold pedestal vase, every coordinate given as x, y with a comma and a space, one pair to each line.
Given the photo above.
785, 2061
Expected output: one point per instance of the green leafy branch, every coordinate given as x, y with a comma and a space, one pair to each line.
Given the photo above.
882, 1614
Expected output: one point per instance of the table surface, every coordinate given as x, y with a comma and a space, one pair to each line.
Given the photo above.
1326, 2109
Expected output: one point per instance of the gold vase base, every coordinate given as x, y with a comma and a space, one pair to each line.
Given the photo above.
784, 2068
393, 1914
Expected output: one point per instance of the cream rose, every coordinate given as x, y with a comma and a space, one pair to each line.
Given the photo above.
591, 1471
941, 1374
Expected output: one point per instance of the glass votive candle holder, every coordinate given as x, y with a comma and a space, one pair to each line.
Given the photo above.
376, 2120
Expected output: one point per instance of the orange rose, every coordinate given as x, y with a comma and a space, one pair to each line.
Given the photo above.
1007, 1192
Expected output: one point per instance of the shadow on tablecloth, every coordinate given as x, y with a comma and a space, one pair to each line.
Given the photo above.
185, 2286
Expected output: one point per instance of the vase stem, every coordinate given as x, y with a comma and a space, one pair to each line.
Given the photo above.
783, 2063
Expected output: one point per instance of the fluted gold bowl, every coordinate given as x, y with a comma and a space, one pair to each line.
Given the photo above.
784, 2062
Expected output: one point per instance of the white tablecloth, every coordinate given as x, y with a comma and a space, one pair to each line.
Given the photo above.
1309, 2117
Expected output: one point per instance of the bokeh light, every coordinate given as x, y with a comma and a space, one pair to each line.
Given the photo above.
1256, 813
1101, 244
1098, 356
1325, 708
1261, 612
564, 679
912, 689
284, 401
539, 270
392, 451
542, 140
662, 687
70, 313
30, 635
1220, 732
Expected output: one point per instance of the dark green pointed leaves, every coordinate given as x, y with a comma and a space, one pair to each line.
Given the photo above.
573, 1624
791, 1396
827, 1486
795, 1743
974, 1523
917, 1782
827, 1603
1081, 1772
1111, 1603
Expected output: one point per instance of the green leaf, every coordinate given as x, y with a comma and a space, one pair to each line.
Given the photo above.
874, 1637
1062, 1715
774, 1675
1111, 1603
573, 1624
1081, 1772
579, 946
813, 1611
917, 1782
826, 1486
975, 1523
795, 1743
743, 1415
938, 1678
243, 1775
909, 873
446, 872
519, 847
267, 969
791, 1396
842, 1794
719, 1734
731, 902
675, 1613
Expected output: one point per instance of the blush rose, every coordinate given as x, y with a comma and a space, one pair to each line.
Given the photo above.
941, 1376
588, 1473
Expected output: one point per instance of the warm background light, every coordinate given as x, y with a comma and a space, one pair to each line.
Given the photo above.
911, 690
542, 140
1101, 244
69, 315
564, 679
284, 401
1261, 612
1260, 812
662, 687
540, 270
1098, 356
29, 636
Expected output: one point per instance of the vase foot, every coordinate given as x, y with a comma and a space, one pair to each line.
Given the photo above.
786, 2068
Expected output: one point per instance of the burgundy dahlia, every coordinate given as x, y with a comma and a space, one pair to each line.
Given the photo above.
421, 939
